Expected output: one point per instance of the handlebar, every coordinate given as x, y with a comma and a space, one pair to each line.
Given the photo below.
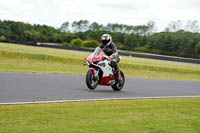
106, 58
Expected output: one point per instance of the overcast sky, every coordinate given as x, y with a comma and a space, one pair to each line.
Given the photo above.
131, 12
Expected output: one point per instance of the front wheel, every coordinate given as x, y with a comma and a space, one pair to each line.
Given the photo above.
119, 84
91, 80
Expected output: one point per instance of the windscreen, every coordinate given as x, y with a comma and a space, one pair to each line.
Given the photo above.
97, 52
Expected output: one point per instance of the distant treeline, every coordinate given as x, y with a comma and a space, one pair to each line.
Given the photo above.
173, 41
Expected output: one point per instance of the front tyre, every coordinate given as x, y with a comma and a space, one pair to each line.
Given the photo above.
119, 84
91, 80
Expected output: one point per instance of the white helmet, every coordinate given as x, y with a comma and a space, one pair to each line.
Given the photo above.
106, 39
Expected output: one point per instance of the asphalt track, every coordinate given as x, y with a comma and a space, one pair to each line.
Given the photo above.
31, 88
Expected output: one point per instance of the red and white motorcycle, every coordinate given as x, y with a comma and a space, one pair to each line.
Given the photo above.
101, 73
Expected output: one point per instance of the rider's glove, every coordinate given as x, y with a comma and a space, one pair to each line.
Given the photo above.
113, 63
104, 58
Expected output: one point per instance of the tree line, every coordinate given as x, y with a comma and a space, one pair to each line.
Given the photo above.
177, 39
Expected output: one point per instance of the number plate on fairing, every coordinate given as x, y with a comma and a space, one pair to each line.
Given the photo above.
107, 69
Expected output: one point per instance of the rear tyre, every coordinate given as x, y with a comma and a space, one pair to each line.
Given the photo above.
119, 84
91, 81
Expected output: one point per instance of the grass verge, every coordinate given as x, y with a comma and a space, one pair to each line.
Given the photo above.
19, 58
128, 116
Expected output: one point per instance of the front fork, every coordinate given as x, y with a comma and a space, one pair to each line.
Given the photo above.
95, 72
117, 75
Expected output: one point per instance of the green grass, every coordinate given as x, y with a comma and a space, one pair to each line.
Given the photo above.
19, 58
128, 116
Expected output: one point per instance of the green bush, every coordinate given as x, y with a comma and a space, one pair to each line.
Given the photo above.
2, 38
76, 42
90, 43
65, 44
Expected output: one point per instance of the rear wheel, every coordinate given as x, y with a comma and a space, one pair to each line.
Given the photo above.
91, 80
119, 84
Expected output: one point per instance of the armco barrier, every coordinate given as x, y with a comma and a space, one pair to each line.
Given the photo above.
149, 56
64, 47
160, 57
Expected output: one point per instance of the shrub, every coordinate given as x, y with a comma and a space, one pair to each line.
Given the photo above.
76, 42
2, 38
90, 43
65, 44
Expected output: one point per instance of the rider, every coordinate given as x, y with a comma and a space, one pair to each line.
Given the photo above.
110, 49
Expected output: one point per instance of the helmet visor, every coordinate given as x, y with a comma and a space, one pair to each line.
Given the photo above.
105, 42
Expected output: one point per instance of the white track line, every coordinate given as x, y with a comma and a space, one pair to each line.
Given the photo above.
103, 99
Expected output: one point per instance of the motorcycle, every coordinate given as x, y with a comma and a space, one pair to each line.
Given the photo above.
101, 73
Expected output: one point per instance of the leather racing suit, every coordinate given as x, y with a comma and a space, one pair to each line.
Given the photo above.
111, 51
